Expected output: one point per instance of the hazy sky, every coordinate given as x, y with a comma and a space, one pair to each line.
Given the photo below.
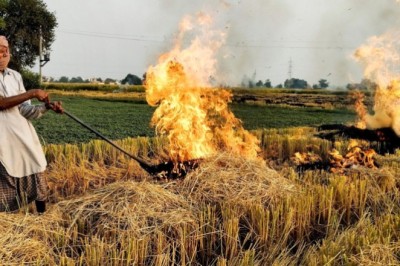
109, 39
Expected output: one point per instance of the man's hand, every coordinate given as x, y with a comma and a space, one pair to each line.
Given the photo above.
41, 95
55, 106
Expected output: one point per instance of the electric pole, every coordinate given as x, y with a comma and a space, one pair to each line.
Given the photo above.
43, 57
290, 69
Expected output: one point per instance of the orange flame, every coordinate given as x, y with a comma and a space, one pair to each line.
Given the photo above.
356, 155
361, 109
194, 116
381, 60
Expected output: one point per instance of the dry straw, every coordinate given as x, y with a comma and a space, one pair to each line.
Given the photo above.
231, 179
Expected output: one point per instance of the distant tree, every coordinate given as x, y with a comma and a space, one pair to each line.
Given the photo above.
295, 83
132, 80
109, 81
279, 86
365, 84
259, 83
315, 86
63, 79
21, 22
268, 84
323, 83
76, 80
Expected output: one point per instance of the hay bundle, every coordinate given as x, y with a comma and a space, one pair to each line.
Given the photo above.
135, 223
139, 207
231, 179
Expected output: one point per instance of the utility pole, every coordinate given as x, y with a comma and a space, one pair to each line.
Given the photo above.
290, 69
43, 57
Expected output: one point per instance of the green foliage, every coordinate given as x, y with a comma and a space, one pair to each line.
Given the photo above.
23, 20
295, 83
132, 80
364, 85
76, 80
109, 80
31, 80
64, 79
279, 89
268, 84
323, 83
91, 87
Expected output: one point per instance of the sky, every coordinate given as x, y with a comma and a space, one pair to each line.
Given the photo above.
265, 39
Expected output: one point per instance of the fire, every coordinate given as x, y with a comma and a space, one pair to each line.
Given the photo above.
356, 155
360, 108
381, 60
305, 158
193, 115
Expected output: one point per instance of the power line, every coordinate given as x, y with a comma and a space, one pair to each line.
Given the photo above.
111, 36
235, 45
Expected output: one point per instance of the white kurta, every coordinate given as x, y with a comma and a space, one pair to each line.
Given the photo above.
20, 150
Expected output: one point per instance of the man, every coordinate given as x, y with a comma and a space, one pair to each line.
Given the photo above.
21, 156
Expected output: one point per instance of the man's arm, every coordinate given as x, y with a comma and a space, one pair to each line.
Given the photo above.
9, 102
30, 111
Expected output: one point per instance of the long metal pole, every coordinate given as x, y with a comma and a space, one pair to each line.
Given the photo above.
149, 168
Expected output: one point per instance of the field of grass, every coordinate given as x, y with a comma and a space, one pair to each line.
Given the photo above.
106, 210
124, 117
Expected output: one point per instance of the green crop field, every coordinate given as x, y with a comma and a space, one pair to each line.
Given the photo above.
121, 118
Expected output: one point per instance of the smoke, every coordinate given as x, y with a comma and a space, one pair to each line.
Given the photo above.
358, 21
262, 35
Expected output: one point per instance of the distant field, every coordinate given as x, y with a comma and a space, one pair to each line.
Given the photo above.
121, 118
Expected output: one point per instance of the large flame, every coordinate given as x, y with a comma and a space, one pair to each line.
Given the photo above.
380, 58
194, 116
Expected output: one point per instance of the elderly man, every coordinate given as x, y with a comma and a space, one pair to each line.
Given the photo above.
21, 156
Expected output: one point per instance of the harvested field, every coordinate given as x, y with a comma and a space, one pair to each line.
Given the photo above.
105, 210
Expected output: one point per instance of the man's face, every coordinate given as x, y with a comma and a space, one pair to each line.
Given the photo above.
4, 57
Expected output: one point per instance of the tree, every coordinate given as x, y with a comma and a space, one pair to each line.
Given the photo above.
268, 84
31, 79
323, 83
3, 4
294, 83
76, 80
131, 80
22, 21
259, 83
109, 81
63, 79
365, 84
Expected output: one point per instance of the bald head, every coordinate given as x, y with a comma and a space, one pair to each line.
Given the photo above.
3, 41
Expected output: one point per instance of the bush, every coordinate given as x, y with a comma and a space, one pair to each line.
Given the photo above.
31, 79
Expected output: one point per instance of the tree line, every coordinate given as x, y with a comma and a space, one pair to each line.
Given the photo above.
130, 79
296, 83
